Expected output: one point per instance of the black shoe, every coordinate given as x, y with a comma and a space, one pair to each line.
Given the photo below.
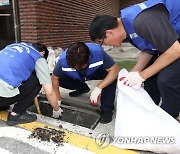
106, 116
3, 108
178, 119
20, 118
79, 92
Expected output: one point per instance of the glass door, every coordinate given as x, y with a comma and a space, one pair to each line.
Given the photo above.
7, 31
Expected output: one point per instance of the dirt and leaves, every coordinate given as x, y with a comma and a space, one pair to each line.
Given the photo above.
49, 134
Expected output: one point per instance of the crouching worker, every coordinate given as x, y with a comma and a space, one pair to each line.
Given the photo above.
23, 71
82, 62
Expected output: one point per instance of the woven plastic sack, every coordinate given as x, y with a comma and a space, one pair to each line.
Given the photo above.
142, 125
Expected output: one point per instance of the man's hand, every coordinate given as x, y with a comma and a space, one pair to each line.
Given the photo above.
132, 79
57, 114
95, 95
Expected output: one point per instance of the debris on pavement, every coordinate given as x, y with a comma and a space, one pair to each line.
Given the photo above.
48, 134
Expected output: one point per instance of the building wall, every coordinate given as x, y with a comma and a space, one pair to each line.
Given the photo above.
125, 3
59, 23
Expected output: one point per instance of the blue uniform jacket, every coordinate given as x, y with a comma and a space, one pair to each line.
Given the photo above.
129, 14
95, 63
17, 62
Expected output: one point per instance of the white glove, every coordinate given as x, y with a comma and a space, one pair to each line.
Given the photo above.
59, 103
57, 114
95, 95
133, 79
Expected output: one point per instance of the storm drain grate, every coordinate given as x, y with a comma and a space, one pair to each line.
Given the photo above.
71, 114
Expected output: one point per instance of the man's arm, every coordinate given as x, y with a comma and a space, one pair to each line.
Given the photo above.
165, 59
50, 94
111, 76
42, 73
55, 83
143, 60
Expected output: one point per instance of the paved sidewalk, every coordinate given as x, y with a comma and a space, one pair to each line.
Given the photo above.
15, 139
126, 51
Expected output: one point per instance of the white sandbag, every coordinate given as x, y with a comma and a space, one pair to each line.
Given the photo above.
51, 60
142, 125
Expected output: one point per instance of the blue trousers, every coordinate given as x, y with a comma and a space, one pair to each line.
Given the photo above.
107, 95
28, 91
166, 84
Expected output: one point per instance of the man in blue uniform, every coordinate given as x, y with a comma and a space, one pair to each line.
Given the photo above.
87, 61
23, 70
154, 28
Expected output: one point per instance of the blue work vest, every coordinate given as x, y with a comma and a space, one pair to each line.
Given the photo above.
95, 63
17, 62
129, 14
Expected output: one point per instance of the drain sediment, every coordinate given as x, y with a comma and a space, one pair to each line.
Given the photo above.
49, 134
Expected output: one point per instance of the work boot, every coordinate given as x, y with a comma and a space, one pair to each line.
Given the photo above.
178, 119
20, 118
106, 116
79, 92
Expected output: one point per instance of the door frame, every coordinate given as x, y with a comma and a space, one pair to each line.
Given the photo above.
16, 20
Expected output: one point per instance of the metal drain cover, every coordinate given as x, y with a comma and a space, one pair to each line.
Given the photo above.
71, 114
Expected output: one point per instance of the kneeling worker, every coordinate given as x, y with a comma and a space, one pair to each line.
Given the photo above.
23, 70
87, 61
